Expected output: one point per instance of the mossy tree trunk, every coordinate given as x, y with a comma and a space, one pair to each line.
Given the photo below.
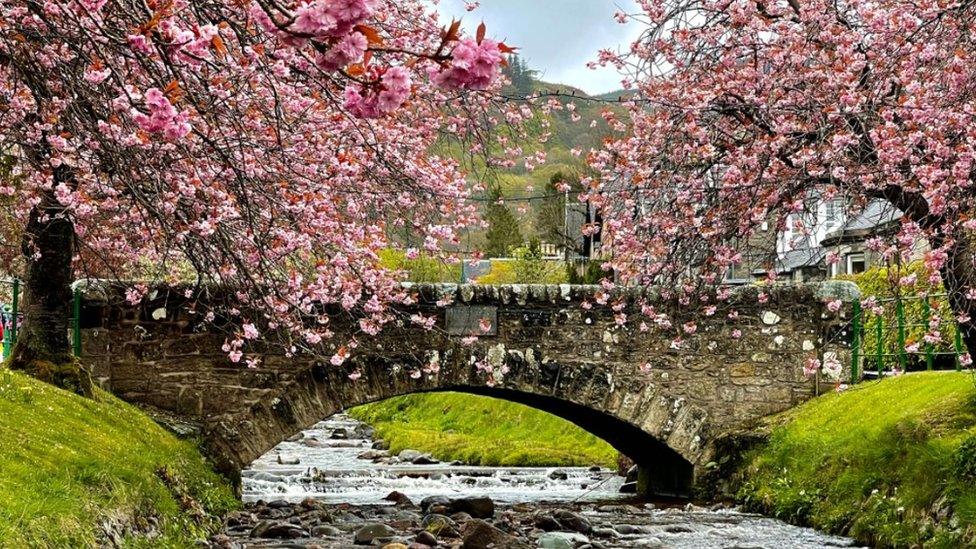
43, 349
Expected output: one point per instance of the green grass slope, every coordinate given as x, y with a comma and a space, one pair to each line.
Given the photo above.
483, 431
891, 463
69, 466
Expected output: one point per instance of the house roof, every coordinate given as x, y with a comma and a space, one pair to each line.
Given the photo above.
800, 258
877, 216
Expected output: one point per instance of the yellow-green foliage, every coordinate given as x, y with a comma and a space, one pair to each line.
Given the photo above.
877, 462
421, 270
882, 283
483, 431
508, 272
68, 463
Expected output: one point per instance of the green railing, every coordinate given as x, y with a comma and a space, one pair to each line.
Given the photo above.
11, 317
884, 338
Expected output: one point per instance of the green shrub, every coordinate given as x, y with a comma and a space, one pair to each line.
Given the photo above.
882, 283
423, 270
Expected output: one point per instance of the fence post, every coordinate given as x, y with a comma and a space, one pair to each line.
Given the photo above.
13, 312
879, 348
856, 342
958, 346
900, 315
76, 322
928, 320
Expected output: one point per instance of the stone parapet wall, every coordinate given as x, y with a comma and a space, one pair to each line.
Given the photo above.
566, 348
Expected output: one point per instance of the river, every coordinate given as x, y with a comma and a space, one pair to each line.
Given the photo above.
328, 487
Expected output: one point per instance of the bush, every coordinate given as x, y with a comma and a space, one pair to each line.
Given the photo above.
423, 270
882, 283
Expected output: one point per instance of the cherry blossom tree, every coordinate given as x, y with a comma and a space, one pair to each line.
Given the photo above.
747, 111
272, 146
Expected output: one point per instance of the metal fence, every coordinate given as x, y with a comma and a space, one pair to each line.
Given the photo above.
11, 317
902, 335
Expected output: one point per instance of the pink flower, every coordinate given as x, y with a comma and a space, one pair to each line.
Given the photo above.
163, 117
473, 66
834, 305
250, 331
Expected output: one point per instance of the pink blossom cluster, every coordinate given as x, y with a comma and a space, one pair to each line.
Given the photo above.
473, 66
394, 90
163, 117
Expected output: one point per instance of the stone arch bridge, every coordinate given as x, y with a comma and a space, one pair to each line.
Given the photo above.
664, 407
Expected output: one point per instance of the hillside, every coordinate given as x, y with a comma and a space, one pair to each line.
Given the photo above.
483, 431
892, 464
83, 473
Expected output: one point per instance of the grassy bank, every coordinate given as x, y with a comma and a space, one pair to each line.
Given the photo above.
483, 431
890, 463
69, 466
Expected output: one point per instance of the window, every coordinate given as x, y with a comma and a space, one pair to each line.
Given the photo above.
833, 210
856, 263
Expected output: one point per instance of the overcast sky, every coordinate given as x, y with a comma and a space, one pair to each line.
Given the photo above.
556, 37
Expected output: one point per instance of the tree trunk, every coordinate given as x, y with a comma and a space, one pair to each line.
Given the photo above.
958, 277
42, 348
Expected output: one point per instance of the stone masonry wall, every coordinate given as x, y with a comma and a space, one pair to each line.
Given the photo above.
655, 402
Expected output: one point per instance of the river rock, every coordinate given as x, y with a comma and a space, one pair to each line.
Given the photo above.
288, 460
650, 543
440, 525
571, 521
278, 530
373, 531
562, 519
631, 475
409, 455
395, 546
436, 504
399, 498
296, 438
630, 529
339, 433
628, 488
424, 460
313, 442
381, 444
326, 531
373, 455
478, 534
479, 508
559, 475
426, 538
561, 540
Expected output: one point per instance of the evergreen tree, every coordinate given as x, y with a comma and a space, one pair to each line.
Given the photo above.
503, 229
551, 222
521, 75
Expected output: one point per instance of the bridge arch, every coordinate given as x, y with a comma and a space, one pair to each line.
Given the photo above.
656, 403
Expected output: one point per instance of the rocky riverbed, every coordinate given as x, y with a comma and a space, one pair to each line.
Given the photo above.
333, 486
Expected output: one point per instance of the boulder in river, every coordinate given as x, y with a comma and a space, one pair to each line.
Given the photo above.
426, 538
440, 525
278, 530
409, 455
558, 475
479, 508
373, 531
424, 460
398, 498
374, 455
478, 534
561, 540
436, 504
339, 434
288, 460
